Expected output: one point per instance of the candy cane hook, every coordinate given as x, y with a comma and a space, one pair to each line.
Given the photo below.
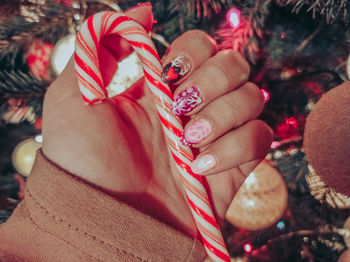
93, 90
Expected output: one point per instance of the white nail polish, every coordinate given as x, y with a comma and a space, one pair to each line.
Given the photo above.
203, 164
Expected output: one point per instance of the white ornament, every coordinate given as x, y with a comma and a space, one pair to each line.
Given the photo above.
62, 52
128, 73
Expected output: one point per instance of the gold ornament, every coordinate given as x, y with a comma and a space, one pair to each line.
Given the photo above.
346, 232
323, 193
24, 155
260, 201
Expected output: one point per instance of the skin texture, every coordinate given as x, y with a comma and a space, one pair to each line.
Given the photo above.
119, 146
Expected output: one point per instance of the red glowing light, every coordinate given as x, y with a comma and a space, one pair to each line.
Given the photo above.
234, 17
266, 94
275, 144
248, 248
292, 122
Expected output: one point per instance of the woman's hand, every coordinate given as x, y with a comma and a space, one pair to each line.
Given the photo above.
119, 145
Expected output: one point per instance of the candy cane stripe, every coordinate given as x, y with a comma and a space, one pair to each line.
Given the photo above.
201, 213
196, 192
212, 249
212, 236
104, 20
88, 70
92, 31
186, 167
117, 22
90, 87
170, 126
149, 65
158, 85
146, 47
85, 47
93, 90
182, 151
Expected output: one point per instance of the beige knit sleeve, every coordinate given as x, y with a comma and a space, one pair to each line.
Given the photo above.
62, 218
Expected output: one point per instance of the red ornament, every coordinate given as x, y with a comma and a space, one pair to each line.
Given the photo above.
38, 123
38, 59
290, 128
315, 87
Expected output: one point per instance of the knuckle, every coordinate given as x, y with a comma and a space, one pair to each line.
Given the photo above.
203, 38
232, 111
213, 71
262, 136
235, 65
195, 33
257, 97
242, 63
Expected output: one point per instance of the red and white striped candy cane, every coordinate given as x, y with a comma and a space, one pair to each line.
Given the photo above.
93, 90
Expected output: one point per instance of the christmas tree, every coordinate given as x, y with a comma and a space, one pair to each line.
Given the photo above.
298, 50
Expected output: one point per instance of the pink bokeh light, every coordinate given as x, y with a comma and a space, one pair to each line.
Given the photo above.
234, 17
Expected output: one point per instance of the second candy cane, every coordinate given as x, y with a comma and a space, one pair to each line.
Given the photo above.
93, 90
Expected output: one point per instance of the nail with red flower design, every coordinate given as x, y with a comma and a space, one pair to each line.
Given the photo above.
176, 69
186, 101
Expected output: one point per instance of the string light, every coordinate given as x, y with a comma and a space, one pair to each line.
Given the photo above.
248, 248
234, 17
281, 226
38, 138
266, 95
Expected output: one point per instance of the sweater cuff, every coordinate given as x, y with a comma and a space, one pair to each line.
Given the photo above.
97, 223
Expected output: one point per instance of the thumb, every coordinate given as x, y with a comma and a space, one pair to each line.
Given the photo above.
142, 13
113, 48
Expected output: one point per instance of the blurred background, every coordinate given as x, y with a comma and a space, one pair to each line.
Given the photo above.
295, 205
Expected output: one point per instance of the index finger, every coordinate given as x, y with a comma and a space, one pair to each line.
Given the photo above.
186, 54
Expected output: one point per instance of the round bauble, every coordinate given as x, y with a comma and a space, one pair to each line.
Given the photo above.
260, 201
327, 138
62, 52
24, 155
347, 235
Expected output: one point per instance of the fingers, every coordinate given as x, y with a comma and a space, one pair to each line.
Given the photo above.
186, 54
223, 114
223, 186
218, 75
113, 48
246, 143
142, 13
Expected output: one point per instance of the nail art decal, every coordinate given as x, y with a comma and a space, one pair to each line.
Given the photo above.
202, 164
196, 132
176, 69
186, 101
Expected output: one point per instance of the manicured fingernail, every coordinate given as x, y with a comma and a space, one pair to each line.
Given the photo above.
196, 132
176, 69
186, 101
203, 164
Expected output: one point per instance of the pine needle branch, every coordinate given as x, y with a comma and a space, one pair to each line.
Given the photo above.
17, 31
